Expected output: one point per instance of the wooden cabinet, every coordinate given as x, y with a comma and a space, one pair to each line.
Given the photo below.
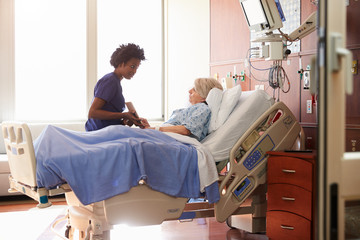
291, 182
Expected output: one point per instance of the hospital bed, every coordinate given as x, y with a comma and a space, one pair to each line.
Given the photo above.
239, 146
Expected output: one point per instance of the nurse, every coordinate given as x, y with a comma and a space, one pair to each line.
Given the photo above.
108, 105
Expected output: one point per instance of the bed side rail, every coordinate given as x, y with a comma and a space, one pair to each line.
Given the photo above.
276, 129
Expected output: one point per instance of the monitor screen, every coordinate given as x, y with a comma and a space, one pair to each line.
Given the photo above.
263, 15
254, 12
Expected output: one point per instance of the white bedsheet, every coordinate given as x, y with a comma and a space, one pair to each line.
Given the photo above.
207, 169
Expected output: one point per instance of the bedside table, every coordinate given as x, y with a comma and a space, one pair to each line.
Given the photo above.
291, 182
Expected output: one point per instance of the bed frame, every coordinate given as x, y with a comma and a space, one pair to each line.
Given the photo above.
242, 186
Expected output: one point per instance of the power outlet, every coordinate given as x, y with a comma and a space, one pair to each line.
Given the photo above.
308, 106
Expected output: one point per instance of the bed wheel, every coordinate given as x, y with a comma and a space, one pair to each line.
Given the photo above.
228, 222
67, 231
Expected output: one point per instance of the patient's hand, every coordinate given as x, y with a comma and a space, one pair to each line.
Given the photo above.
131, 118
145, 123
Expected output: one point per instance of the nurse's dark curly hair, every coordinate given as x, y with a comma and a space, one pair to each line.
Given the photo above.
125, 52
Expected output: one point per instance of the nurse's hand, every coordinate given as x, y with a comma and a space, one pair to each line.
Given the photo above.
128, 122
130, 119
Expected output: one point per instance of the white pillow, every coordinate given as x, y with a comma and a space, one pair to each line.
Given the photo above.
229, 100
214, 101
251, 106
221, 105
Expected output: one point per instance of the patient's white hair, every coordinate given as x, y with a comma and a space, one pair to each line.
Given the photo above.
204, 85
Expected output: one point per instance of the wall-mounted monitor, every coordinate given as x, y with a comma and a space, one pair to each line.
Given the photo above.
263, 15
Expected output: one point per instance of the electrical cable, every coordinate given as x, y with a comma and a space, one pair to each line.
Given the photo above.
286, 36
259, 69
278, 76
248, 57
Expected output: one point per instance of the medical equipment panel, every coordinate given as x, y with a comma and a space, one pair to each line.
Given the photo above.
242, 189
259, 153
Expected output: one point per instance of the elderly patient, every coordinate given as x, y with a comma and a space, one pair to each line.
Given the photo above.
194, 120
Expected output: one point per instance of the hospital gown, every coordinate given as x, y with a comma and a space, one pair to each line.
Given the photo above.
195, 118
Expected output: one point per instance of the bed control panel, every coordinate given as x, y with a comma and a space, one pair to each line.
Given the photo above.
250, 140
259, 152
241, 190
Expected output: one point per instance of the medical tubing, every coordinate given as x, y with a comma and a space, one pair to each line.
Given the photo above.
277, 77
259, 69
287, 80
251, 75
277, 74
273, 83
251, 66
246, 57
278, 95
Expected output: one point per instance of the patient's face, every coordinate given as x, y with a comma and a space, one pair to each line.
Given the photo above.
129, 69
194, 97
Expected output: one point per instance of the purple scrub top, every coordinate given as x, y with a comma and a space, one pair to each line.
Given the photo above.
109, 89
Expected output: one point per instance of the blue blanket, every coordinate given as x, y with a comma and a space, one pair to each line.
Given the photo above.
101, 164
